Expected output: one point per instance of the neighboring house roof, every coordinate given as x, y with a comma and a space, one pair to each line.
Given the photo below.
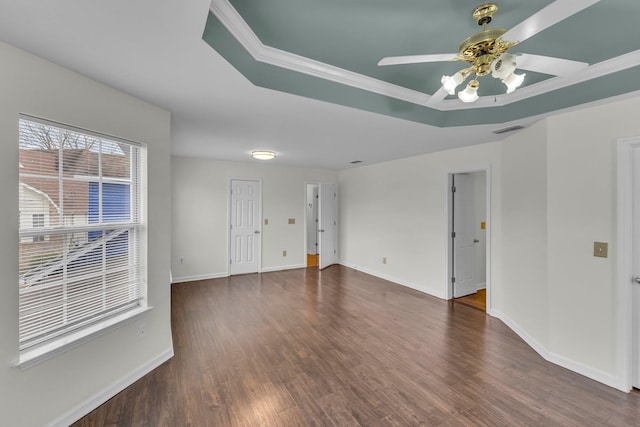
75, 162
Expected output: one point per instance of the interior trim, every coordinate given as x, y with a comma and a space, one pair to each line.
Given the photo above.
236, 25
98, 399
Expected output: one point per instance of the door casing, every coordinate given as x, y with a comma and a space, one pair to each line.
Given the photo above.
625, 306
449, 197
334, 259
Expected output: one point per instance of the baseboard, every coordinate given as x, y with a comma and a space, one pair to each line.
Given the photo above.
198, 277
482, 285
394, 280
283, 267
572, 365
92, 403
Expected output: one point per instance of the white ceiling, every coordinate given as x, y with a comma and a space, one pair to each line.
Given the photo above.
154, 50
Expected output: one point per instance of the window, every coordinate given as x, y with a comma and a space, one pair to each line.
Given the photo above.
38, 221
80, 262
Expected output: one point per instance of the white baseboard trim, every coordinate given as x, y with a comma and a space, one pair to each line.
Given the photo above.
283, 267
572, 365
482, 285
395, 280
92, 403
199, 277
226, 274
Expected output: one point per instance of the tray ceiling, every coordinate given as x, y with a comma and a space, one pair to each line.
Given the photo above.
329, 51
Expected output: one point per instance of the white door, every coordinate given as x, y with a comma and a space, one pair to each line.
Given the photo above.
327, 228
244, 227
635, 289
312, 219
464, 235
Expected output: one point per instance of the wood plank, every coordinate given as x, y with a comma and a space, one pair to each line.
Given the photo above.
340, 347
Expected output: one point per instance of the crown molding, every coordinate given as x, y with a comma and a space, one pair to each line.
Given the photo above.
237, 26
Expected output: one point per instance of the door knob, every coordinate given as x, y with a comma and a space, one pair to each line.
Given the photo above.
320, 231
257, 232
637, 279
476, 241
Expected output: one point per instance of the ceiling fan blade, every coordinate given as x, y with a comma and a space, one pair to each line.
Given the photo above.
440, 95
416, 59
546, 17
549, 64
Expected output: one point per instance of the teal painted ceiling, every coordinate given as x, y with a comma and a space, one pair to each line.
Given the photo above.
353, 36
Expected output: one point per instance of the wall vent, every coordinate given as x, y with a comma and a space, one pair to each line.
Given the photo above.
508, 129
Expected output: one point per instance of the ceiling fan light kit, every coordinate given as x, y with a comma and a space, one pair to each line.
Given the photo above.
470, 94
486, 51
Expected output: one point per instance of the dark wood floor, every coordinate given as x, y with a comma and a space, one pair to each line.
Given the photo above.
341, 348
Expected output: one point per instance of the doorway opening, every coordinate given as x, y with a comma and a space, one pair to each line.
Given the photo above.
311, 221
321, 224
469, 238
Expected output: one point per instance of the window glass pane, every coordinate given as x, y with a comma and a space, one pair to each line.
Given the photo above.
116, 160
73, 270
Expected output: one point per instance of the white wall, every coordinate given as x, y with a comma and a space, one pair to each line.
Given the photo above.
68, 385
582, 209
200, 190
398, 210
553, 194
523, 294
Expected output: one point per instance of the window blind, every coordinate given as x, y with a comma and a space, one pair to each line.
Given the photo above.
79, 230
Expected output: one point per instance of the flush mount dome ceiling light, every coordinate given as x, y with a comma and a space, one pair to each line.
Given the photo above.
486, 51
263, 154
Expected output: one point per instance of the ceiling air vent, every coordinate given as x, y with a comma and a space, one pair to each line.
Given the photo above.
508, 129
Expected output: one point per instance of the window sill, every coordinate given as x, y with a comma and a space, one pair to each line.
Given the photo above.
30, 358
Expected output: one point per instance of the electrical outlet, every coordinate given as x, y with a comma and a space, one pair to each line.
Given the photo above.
284, 253
181, 260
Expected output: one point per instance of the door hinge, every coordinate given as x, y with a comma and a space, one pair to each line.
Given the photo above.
334, 251
453, 189
453, 234
453, 280
335, 195
230, 261
230, 226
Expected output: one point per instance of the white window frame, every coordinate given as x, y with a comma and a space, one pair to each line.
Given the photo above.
64, 338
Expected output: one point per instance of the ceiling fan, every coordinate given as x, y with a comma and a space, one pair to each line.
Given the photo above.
488, 51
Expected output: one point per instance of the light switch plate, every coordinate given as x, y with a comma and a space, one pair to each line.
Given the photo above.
266, 221
600, 249
292, 220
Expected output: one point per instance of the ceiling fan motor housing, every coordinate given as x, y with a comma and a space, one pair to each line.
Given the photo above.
483, 14
483, 43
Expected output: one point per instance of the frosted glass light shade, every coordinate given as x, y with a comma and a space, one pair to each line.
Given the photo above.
450, 83
263, 155
503, 66
470, 93
513, 81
